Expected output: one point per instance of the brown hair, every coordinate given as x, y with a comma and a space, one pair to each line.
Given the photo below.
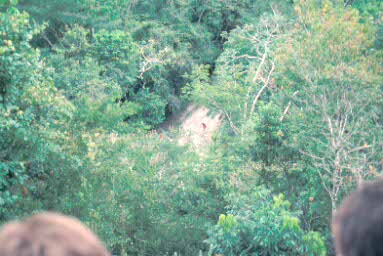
49, 234
358, 224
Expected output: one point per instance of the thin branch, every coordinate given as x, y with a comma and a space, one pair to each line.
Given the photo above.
325, 185
288, 107
254, 79
260, 66
262, 89
47, 39
358, 148
311, 155
235, 129
246, 56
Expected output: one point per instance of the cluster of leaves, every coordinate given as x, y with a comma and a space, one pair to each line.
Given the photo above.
260, 225
31, 107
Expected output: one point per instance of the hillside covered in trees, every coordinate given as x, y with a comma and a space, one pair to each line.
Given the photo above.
89, 89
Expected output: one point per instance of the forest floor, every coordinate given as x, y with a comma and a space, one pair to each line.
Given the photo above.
196, 124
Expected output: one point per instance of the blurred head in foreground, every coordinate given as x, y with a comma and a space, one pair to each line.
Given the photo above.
49, 234
358, 224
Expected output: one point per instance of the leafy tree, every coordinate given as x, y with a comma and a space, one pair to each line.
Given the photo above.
30, 108
327, 58
259, 225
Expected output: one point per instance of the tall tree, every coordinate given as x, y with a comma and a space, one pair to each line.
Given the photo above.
329, 59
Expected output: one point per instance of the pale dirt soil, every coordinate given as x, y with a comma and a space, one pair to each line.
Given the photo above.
197, 126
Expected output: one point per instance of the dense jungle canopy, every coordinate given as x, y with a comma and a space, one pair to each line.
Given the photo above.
90, 92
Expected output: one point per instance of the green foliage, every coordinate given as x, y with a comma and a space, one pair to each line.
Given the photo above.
368, 8
297, 87
29, 105
227, 223
151, 108
199, 80
271, 138
262, 225
328, 58
241, 71
116, 51
147, 198
9, 2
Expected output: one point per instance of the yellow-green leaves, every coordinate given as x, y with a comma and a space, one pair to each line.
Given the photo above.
227, 222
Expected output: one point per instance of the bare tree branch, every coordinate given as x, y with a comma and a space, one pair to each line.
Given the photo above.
288, 107
262, 89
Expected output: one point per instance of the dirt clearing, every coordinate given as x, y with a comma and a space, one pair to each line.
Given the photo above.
197, 125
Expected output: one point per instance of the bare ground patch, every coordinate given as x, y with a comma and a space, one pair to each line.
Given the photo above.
197, 125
